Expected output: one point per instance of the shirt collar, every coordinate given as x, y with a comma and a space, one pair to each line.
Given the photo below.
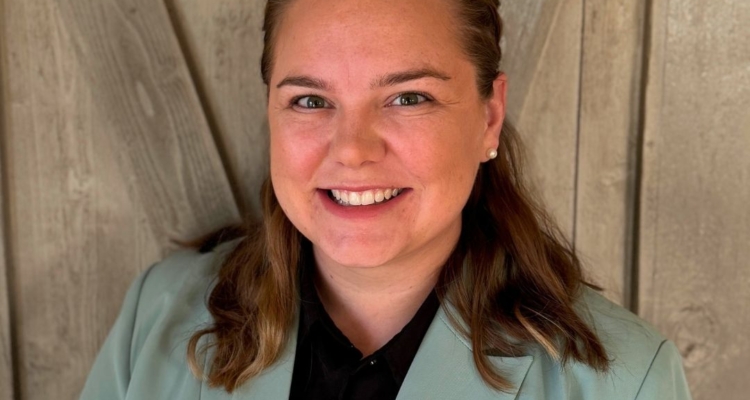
399, 352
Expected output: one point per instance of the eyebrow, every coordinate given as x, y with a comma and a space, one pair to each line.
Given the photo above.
409, 75
304, 81
383, 81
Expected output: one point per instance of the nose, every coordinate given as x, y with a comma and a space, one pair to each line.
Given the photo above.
356, 141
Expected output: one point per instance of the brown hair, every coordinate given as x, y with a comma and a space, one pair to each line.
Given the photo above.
512, 279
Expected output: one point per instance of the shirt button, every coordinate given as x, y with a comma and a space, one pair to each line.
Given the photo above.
373, 362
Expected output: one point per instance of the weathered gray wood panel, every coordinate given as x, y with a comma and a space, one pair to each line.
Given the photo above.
528, 25
224, 41
6, 355
77, 235
610, 98
548, 122
132, 57
695, 217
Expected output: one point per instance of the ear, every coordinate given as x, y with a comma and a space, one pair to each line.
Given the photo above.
495, 112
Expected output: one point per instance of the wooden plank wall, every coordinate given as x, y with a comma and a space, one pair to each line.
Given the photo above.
579, 118
76, 230
128, 123
225, 44
110, 158
695, 219
159, 119
611, 66
550, 111
6, 340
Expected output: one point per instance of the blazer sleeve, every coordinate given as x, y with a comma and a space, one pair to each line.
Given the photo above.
110, 374
665, 379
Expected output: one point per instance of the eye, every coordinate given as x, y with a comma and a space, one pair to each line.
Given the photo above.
310, 102
409, 99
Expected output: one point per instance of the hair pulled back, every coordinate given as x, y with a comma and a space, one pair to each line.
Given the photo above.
512, 279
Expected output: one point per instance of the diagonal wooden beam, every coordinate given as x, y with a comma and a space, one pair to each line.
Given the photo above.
137, 71
223, 41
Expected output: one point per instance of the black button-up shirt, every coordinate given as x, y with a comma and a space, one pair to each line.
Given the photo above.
327, 365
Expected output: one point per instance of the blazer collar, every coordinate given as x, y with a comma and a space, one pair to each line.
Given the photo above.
442, 369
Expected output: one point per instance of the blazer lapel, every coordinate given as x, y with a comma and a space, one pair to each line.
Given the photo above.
444, 368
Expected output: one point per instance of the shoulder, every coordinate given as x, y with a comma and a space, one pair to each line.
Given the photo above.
171, 302
173, 292
623, 334
145, 354
171, 308
637, 351
186, 274
184, 268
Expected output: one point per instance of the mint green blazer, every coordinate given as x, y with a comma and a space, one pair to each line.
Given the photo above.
144, 356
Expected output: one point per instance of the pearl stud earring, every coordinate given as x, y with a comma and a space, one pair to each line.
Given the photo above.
492, 154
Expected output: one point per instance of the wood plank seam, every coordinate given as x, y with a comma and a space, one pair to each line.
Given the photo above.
632, 282
607, 156
577, 170
14, 392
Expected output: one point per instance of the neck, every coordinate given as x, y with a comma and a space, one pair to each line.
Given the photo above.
371, 305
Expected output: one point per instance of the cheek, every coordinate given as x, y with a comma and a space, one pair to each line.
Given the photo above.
294, 158
444, 174
295, 151
443, 150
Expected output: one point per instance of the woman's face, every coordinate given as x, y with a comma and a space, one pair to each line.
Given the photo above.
370, 97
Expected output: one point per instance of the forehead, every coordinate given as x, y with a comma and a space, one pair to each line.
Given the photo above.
360, 36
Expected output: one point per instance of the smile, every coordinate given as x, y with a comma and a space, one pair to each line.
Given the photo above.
364, 198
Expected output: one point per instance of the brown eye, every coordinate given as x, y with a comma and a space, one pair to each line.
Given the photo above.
311, 102
409, 99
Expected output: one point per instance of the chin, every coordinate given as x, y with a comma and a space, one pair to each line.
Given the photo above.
355, 256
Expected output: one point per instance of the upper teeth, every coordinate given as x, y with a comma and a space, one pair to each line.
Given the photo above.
364, 198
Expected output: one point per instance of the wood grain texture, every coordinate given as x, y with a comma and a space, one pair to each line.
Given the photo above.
6, 354
695, 217
224, 41
528, 31
607, 162
79, 237
548, 123
132, 56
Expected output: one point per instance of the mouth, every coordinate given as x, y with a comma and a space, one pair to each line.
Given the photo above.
348, 198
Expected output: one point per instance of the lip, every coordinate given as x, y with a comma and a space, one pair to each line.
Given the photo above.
360, 212
361, 188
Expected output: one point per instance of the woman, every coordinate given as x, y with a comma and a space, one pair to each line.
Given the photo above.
399, 255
